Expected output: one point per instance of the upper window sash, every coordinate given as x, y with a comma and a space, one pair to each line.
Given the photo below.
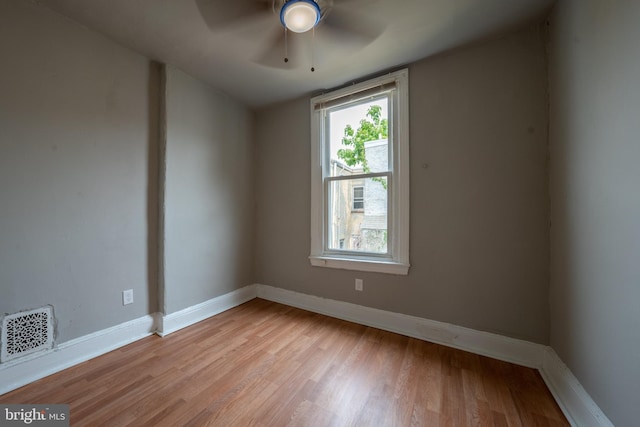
376, 93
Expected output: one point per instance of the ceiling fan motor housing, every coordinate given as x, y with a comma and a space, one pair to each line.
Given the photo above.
300, 15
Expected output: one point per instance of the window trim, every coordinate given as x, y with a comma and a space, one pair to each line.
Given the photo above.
398, 262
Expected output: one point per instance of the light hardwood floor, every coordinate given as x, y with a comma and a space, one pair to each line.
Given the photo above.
268, 364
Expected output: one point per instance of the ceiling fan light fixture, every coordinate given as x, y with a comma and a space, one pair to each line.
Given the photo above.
300, 16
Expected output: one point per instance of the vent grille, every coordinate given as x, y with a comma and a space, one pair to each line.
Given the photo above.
26, 332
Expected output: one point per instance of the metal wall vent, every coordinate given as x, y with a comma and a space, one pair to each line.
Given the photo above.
26, 332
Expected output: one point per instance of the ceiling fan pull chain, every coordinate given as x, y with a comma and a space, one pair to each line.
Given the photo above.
313, 48
286, 47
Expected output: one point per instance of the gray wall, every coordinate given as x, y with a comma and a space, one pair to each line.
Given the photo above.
209, 214
595, 199
479, 211
79, 154
78, 125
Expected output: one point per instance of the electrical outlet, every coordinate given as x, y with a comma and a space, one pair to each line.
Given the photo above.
127, 297
358, 284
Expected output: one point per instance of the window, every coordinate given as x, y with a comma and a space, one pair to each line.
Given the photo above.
360, 176
358, 198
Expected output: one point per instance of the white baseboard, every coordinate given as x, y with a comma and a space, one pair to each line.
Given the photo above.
487, 344
575, 402
573, 399
190, 315
21, 372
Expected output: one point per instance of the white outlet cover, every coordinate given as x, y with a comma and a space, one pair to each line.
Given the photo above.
127, 297
358, 284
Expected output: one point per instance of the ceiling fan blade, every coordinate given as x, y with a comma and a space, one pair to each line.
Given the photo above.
226, 14
340, 3
351, 28
273, 55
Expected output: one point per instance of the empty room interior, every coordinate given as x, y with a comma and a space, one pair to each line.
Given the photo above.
180, 226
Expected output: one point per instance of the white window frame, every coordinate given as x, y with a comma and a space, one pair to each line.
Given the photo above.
397, 260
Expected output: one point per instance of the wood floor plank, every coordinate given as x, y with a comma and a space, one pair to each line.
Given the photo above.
267, 364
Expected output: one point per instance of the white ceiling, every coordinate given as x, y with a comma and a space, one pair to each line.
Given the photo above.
200, 37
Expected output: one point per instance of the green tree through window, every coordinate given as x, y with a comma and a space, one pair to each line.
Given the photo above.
371, 128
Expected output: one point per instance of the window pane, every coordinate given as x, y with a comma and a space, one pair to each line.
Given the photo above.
359, 138
358, 223
358, 198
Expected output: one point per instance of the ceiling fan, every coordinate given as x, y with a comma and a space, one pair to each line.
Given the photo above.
284, 22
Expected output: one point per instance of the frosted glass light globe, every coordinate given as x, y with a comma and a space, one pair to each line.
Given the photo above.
300, 16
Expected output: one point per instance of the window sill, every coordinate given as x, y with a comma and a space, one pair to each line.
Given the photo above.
369, 265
